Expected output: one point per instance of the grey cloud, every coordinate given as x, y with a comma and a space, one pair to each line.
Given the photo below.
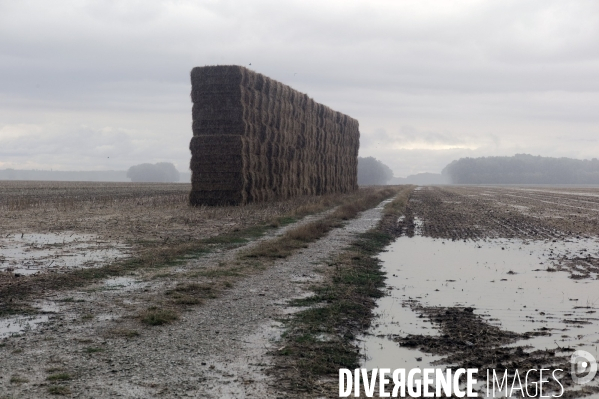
408, 135
481, 76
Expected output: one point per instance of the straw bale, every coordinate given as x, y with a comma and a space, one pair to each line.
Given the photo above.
256, 139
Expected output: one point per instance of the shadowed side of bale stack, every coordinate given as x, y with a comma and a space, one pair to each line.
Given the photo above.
255, 139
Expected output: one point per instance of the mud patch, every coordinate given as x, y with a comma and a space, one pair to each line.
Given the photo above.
26, 254
21, 324
487, 304
123, 284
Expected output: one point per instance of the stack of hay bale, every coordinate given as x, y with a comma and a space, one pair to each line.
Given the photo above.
255, 139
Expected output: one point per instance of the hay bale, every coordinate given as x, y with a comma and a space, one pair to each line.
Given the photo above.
256, 139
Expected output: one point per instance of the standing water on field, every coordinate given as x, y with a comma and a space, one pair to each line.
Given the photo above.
30, 253
511, 283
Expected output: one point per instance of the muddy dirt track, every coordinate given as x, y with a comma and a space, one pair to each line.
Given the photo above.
196, 323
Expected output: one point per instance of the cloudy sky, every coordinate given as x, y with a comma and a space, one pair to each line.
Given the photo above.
102, 84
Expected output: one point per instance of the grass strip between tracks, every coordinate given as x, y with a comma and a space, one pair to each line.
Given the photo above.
321, 339
211, 282
299, 237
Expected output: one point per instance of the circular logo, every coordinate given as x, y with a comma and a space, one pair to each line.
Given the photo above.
583, 367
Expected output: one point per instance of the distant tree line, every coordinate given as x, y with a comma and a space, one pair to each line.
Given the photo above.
372, 172
161, 172
522, 169
61, 175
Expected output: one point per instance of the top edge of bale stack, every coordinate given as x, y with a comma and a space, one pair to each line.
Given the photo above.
256, 139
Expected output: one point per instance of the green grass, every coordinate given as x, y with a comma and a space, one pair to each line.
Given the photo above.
282, 221
8, 309
182, 299
15, 379
125, 333
58, 390
52, 370
239, 237
194, 289
69, 300
301, 236
213, 273
159, 256
162, 275
158, 317
59, 377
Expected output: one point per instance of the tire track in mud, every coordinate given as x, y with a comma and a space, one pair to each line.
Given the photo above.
104, 321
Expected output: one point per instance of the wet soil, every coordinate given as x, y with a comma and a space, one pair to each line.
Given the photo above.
467, 340
454, 338
93, 342
493, 278
458, 213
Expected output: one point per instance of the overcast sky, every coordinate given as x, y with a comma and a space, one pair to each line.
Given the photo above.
99, 84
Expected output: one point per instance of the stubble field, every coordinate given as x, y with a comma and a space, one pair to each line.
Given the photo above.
123, 289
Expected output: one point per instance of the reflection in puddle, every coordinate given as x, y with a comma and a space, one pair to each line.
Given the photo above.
29, 253
504, 280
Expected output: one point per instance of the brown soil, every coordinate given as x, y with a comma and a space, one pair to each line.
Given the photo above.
154, 220
493, 212
142, 214
467, 340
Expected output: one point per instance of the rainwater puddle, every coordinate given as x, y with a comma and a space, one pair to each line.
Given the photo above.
30, 253
504, 280
123, 283
48, 307
20, 324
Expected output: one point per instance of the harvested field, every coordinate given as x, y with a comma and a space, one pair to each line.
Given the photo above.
140, 215
468, 283
507, 212
256, 139
54, 226
492, 278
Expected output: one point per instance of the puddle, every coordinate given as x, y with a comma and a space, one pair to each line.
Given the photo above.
20, 324
30, 253
48, 307
106, 317
505, 280
123, 283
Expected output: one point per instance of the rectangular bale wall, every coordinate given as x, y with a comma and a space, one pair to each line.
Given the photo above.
255, 139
